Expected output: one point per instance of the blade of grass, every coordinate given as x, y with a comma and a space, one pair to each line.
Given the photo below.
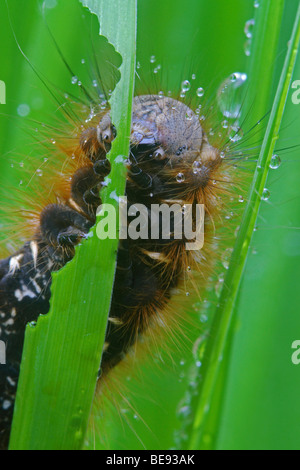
62, 353
203, 427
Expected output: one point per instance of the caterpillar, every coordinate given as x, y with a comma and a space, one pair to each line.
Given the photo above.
175, 157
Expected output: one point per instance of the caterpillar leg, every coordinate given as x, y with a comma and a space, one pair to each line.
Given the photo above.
96, 141
63, 226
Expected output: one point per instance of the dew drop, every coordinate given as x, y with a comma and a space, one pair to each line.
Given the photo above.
23, 110
50, 3
185, 86
247, 47
203, 318
230, 95
120, 159
74, 80
183, 411
235, 133
225, 124
196, 167
226, 257
256, 3
194, 76
180, 178
152, 59
265, 195
200, 92
275, 162
219, 284
248, 30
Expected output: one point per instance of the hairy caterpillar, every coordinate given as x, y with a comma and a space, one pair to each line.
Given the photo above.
153, 103
45, 250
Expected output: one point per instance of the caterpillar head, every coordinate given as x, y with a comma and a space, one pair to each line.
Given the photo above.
168, 131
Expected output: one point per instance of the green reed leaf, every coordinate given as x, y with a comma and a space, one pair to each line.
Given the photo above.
62, 352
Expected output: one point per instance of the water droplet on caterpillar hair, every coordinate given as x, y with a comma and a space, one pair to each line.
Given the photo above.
236, 133
74, 80
256, 3
194, 76
185, 86
248, 30
225, 124
152, 59
200, 92
275, 162
180, 178
196, 167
